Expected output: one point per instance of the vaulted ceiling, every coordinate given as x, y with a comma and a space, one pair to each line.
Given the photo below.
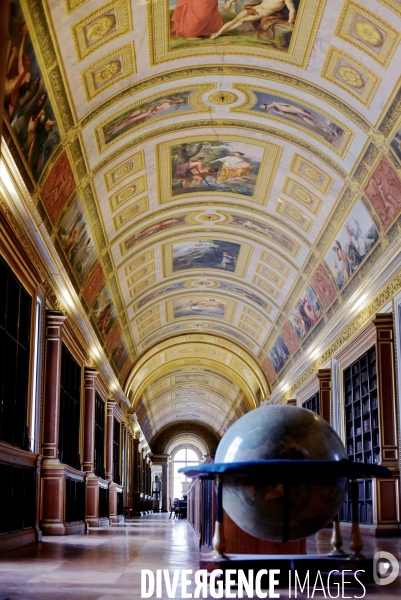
215, 193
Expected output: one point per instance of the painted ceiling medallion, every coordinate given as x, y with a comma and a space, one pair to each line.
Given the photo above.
368, 33
312, 174
223, 98
108, 71
100, 28
350, 76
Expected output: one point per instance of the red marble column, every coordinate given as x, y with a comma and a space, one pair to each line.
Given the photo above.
53, 346
89, 419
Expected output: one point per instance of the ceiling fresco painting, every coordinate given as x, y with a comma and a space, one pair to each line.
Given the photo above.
218, 180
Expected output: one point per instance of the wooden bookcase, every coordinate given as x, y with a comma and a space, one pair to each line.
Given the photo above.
313, 403
362, 430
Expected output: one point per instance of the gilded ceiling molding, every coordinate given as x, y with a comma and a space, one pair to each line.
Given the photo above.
221, 71
263, 129
248, 107
194, 100
311, 173
126, 168
107, 71
307, 23
191, 220
350, 75
367, 32
394, 5
74, 4
101, 26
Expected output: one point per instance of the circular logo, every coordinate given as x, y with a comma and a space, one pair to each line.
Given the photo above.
100, 27
350, 76
223, 98
108, 71
368, 33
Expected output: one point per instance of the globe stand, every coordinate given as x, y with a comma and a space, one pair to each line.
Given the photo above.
219, 540
356, 539
288, 472
336, 540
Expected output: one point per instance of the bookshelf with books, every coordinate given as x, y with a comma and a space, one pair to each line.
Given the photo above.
368, 422
313, 403
361, 427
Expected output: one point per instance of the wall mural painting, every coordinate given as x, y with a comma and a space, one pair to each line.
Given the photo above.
27, 104
215, 166
292, 111
146, 232
103, 312
396, 143
269, 23
235, 289
384, 192
269, 369
275, 235
58, 187
290, 337
306, 313
126, 369
205, 254
132, 118
164, 290
202, 306
324, 286
114, 334
279, 354
143, 418
351, 244
93, 284
119, 354
77, 240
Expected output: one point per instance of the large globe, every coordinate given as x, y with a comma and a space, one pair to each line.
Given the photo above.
258, 506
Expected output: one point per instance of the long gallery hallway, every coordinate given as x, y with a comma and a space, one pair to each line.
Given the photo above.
106, 563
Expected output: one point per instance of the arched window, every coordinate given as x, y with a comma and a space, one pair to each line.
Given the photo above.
182, 458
